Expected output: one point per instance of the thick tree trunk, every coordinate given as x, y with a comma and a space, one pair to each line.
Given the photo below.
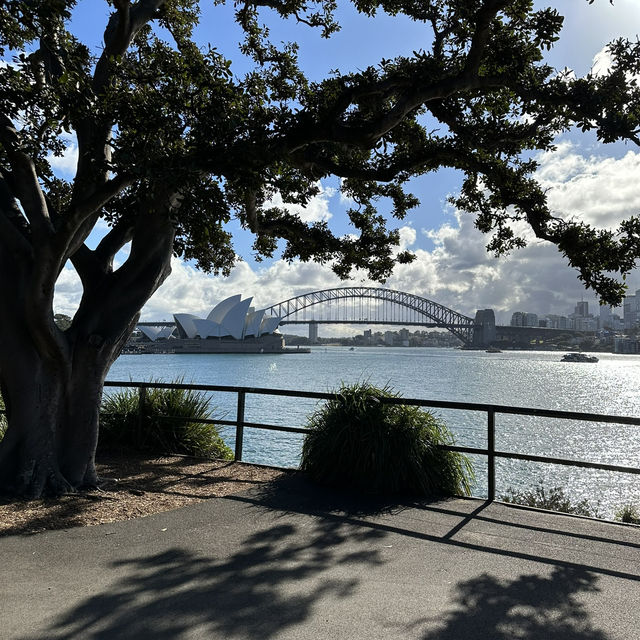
52, 381
52, 412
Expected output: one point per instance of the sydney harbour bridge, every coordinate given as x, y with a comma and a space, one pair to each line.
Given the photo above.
375, 305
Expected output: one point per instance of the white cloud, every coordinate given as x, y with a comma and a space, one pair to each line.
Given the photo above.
600, 190
68, 292
316, 210
602, 62
407, 237
67, 163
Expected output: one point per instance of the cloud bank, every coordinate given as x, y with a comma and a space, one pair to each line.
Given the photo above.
456, 271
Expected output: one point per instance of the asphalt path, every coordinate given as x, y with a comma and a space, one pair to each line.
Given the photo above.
293, 562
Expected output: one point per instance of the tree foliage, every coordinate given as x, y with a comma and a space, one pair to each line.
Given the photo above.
156, 116
174, 144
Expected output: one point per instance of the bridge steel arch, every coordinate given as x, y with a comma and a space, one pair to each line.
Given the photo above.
434, 314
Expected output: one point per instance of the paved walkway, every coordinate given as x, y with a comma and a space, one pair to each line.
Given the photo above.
295, 564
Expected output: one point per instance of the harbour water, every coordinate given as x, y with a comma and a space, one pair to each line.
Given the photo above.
523, 379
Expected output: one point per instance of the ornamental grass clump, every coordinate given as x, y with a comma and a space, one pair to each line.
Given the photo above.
628, 513
162, 428
357, 441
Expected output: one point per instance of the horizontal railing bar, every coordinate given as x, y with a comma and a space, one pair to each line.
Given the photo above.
438, 404
276, 427
544, 459
234, 423
571, 463
224, 388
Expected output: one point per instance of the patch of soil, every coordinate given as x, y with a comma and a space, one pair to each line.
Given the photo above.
133, 486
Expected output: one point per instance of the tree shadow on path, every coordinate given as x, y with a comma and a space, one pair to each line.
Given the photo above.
530, 606
272, 581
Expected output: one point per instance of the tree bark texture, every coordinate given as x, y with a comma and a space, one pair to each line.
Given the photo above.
51, 380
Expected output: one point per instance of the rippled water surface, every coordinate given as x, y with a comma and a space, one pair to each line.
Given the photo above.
523, 379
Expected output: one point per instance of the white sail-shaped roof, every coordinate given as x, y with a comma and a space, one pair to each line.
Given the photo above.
150, 332
218, 312
157, 332
252, 323
269, 324
185, 321
233, 321
166, 332
208, 329
232, 317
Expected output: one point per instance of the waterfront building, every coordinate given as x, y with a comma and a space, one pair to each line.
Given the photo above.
524, 319
557, 322
530, 319
631, 310
582, 309
232, 326
622, 344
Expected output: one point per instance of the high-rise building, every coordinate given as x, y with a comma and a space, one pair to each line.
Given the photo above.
530, 319
557, 322
582, 309
517, 319
631, 310
522, 319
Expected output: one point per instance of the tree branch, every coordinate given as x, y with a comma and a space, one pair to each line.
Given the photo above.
116, 238
13, 232
81, 217
481, 35
25, 181
122, 27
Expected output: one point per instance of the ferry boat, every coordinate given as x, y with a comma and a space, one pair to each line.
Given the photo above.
578, 357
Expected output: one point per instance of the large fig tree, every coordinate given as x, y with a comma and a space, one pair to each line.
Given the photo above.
172, 145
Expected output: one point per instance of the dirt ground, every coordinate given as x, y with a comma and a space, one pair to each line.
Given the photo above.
133, 486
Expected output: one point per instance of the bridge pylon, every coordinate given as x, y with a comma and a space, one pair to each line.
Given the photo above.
484, 330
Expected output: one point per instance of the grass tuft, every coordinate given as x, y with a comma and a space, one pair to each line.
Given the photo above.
629, 513
163, 428
553, 499
357, 441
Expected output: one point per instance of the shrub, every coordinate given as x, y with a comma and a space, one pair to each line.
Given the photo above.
553, 499
359, 442
628, 513
120, 424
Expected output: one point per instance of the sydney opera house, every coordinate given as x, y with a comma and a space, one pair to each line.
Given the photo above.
232, 326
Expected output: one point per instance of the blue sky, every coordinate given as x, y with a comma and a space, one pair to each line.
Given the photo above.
596, 182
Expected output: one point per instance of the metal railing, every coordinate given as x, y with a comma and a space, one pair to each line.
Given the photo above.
491, 410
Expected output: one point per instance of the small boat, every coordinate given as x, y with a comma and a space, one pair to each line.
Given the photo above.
578, 357
493, 350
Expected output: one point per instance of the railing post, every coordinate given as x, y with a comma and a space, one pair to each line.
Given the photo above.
240, 426
142, 401
491, 457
